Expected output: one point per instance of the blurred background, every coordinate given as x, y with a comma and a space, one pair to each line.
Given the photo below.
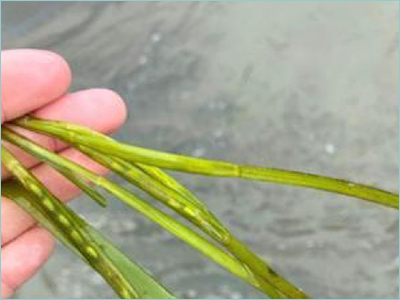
311, 86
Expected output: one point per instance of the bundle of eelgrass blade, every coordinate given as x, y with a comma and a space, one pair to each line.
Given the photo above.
143, 168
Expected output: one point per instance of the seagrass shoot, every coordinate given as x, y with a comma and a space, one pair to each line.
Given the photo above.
146, 169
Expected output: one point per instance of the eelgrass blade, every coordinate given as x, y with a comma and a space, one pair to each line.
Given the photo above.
202, 218
199, 215
53, 209
144, 284
178, 229
84, 187
80, 135
171, 183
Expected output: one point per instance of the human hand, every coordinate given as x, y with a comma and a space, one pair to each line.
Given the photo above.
36, 82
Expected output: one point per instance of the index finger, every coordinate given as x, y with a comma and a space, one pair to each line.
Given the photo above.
30, 79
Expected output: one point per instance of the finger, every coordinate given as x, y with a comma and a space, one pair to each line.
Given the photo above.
100, 109
21, 259
15, 221
30, 79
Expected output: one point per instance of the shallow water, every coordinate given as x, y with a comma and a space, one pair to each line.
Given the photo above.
308, 86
